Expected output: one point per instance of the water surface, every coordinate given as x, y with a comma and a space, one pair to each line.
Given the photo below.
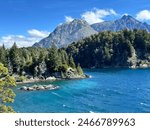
109, 90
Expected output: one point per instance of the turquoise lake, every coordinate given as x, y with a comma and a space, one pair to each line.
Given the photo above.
109, 90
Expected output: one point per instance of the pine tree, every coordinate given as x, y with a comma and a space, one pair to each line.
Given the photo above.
71, 62
3, 55
79, 70
15, 58
53, 61
62, 75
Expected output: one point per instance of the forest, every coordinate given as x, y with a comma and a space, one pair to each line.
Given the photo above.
106, 49
113, 49
38, 62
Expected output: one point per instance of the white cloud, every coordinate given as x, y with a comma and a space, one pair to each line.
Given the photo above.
112, 12
68, 19
23, 41
143, 15
97, 15
37, 33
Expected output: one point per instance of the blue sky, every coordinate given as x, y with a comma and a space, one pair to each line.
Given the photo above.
28, 21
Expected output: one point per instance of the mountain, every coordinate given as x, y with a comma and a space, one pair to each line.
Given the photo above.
67, 33
78, 29
126, 22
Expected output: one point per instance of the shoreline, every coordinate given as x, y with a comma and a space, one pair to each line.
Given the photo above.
34, 81
120, 67
52, 79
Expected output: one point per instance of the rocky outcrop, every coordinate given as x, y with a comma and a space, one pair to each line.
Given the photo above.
73, 74
143, 64
133, 59
134, 62
140, 64
39, 87
69, 73
31, 79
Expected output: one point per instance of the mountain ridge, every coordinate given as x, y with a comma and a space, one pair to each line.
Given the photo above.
79, 29
125, 22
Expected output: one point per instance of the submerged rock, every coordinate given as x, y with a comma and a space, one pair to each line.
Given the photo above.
30, 89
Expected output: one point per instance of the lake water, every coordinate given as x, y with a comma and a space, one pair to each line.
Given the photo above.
109, 90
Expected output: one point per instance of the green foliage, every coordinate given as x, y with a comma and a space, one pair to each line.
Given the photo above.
21, 79
6, 93
34, 61
111, 49
79, 70
63, 67
15, 58
71, 62
3, 55
53, 61
63, 75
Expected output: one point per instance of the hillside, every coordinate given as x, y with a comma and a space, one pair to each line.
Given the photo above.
113, 49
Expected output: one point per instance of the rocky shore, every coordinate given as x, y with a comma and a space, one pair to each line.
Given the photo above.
140, 64
70, 74
36, 79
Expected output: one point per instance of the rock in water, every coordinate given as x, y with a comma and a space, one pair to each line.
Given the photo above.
40, 87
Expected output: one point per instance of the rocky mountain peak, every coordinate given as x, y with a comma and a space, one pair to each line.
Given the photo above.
128, 18
125, 22
78, 29
67, 33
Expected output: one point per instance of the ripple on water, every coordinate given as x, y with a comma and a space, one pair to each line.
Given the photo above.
144, 104
107, 91
56, 94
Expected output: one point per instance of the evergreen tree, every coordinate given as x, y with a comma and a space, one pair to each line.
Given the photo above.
62, 75
71, 62
15, 58
79, 69
3, 55
53, 61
